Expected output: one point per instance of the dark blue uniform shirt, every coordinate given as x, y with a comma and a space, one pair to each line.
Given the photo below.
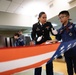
68, 33
19, 42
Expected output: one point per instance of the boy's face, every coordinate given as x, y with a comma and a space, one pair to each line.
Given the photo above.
63, 18
15, 37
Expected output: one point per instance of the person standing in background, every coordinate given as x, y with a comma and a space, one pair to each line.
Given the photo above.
18, 40
22, 36
40, 34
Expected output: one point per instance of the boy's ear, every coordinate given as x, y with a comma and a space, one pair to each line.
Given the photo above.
69, 18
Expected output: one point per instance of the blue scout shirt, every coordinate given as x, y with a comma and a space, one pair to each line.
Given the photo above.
19, 42
67, 33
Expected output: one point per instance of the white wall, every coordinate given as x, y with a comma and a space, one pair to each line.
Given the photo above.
14, 19
58, 6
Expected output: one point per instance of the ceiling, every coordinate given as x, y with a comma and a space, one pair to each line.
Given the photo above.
15, 6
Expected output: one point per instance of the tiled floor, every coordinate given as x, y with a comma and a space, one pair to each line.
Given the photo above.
60, 67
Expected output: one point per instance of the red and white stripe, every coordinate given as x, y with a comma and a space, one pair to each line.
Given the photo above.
17, 59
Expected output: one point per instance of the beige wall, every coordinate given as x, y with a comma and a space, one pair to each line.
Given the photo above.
59, 5
14, 19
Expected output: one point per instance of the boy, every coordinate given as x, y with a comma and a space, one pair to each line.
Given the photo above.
67, 33
18, 41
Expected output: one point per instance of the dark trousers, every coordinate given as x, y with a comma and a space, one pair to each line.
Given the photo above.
70, 58
49, 69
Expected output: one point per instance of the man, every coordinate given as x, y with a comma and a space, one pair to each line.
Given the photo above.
18, 41
22, 36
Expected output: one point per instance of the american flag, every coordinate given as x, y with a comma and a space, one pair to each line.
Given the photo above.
17, 59
64, 46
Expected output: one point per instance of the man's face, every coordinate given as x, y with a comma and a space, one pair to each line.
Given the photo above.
43, 18
20, 32
63, 18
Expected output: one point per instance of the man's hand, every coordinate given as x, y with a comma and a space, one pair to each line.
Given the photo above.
54, 31
32, 43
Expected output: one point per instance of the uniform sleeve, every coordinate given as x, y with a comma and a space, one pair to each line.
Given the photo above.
75, 27
58, 36
51, 27
24, 39
21, 42
33, 33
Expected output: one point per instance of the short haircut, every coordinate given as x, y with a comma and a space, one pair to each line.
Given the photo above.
16, 34
20, 31
64, 12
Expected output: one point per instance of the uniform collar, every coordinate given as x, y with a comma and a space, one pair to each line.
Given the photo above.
40, 23
66, 25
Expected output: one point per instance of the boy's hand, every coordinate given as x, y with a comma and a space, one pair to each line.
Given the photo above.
54, 31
